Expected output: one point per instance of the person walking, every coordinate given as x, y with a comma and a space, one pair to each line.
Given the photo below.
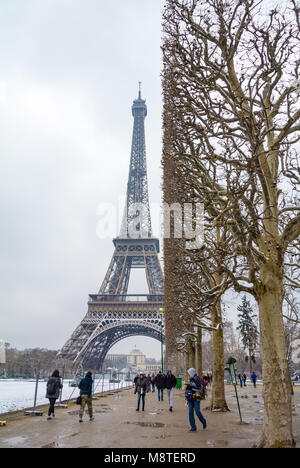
141, 390
153, 382
245, 380
241, 380
148, 383
194, 392
160, 385
170, 383
254, 378
86, 389
54, 386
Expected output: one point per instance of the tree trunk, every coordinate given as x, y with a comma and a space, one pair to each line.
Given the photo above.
191, 355
199, 352
218, 401
277, 428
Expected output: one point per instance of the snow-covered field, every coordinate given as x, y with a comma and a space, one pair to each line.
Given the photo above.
19, 394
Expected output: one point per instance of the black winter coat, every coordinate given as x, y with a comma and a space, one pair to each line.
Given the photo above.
170, 381
160, 381
141, 386
53, 383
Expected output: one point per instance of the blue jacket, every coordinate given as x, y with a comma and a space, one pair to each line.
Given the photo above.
86, 386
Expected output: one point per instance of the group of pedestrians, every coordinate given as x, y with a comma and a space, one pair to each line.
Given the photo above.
54, 387
161, 382
243, 379
195, 392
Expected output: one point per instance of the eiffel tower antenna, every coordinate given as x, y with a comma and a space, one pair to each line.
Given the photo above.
113, 314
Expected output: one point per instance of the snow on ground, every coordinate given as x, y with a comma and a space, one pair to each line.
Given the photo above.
19, 394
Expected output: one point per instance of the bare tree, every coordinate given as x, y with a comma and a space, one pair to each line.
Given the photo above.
231, 121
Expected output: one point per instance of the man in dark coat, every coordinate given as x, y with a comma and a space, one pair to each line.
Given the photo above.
54, 386
170, 383
160, 382
86, 390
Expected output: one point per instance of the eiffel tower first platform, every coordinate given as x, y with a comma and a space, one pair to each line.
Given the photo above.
112, 313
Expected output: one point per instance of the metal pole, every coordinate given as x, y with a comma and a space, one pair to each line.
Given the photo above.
232, 372
34, 412
62, 382
161, 311
162, 348
36, 385
238, 403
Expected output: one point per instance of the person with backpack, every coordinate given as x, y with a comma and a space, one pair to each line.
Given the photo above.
86, 390
170, 383
195, 392
141, 389
160, 385
54, 386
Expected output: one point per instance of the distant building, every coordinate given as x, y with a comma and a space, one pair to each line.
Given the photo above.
152, 368
136, 359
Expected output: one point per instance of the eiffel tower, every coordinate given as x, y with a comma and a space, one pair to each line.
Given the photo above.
113, 314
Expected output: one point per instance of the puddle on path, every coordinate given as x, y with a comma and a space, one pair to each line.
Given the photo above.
15, 440
146, 424
217, 443
53, 445
163, 436
103, 411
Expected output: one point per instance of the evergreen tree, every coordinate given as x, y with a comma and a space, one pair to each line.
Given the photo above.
248, 329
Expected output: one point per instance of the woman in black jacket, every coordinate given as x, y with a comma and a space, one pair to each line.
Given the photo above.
54, 386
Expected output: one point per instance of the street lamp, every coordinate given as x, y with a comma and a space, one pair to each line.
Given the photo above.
161, 312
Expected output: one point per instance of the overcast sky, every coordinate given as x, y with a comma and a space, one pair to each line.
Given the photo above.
69, 73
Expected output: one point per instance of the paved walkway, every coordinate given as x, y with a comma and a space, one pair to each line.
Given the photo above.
117, 424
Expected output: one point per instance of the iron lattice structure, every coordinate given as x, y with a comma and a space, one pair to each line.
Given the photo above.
113, 314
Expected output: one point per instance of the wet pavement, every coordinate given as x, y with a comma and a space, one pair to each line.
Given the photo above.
118, 424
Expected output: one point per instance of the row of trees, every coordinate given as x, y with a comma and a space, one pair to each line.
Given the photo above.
23, 364
231, 134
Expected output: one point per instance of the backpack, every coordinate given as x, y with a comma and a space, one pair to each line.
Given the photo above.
51, 387
200, 393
